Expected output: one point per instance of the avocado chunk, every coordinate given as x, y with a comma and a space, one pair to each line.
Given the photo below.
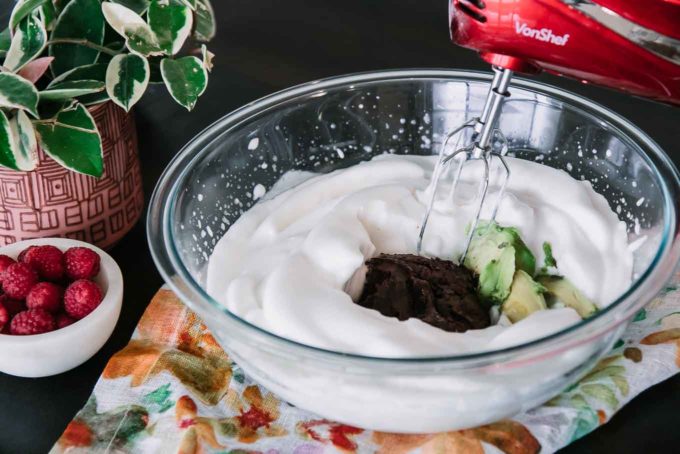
561, 289
495, 254
495, 279
526, 297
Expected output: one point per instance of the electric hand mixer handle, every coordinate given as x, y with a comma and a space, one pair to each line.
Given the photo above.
628, 46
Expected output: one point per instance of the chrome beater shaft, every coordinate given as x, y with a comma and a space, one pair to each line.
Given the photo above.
481, 148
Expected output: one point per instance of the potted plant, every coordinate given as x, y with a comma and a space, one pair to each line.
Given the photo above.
71, 71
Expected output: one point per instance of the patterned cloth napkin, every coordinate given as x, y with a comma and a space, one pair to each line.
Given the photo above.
174, 390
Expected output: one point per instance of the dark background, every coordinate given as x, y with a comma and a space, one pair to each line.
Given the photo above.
263, 46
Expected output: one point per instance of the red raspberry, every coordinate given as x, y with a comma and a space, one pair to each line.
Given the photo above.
18, 280
4, 317
46, 296
47, 261
32, 321
81, 263
13, 306
5, 261
64, 320
81, 298
23, 253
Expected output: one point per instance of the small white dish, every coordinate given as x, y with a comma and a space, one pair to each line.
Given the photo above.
52, 353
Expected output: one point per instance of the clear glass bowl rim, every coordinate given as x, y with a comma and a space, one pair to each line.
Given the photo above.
175, 274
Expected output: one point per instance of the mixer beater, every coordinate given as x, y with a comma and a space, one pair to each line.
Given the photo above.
481, 149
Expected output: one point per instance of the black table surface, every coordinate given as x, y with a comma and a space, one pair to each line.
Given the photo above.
263, 46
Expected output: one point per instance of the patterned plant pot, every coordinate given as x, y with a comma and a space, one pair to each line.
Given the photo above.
53, 201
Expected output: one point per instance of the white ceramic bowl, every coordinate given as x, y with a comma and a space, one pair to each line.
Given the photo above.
52, 353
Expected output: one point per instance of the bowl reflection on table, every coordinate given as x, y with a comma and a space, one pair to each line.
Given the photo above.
335, 123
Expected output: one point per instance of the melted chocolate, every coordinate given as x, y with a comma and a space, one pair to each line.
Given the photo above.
436, 291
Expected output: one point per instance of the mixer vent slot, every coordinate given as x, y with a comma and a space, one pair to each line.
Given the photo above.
470, 7
478, 3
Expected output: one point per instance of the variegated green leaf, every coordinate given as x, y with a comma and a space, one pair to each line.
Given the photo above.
80, 20
72, 139
49, 15
95, 71
121, 18
59, 5
26, 145
138, 6
205, 21
18, 93
190, 3
7, 145
22, 9
18, 148
138, 35
126, 79
186, 79
5, 41
143, 41
28, 42
70, 89
171, 23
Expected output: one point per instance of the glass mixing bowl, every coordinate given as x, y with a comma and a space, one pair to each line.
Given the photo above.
326, 125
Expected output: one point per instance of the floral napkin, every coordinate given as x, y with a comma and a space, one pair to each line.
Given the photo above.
174, 390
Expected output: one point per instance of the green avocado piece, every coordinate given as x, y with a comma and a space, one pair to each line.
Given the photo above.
561, 289
495, 254
526, 297
496, 277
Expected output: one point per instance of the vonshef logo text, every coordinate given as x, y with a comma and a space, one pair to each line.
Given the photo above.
544, 34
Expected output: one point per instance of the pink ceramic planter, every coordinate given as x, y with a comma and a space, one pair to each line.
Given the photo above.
52, 201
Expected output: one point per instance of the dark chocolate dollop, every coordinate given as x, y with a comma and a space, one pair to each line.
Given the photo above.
436, 291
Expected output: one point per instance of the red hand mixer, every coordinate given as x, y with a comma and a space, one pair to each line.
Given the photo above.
629, 45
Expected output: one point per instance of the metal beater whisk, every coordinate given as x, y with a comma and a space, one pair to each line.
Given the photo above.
480, 149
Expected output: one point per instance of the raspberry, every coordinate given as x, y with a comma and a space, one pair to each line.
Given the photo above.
18, 280
64, 320
81, 263
13, 306
4, 317
46, 296
23, 253
81, 298
47, 261
32, 321
5, 261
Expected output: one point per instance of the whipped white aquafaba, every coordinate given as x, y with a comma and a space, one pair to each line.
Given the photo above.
293, 262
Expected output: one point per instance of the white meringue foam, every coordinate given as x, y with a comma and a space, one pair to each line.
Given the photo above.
292, 263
